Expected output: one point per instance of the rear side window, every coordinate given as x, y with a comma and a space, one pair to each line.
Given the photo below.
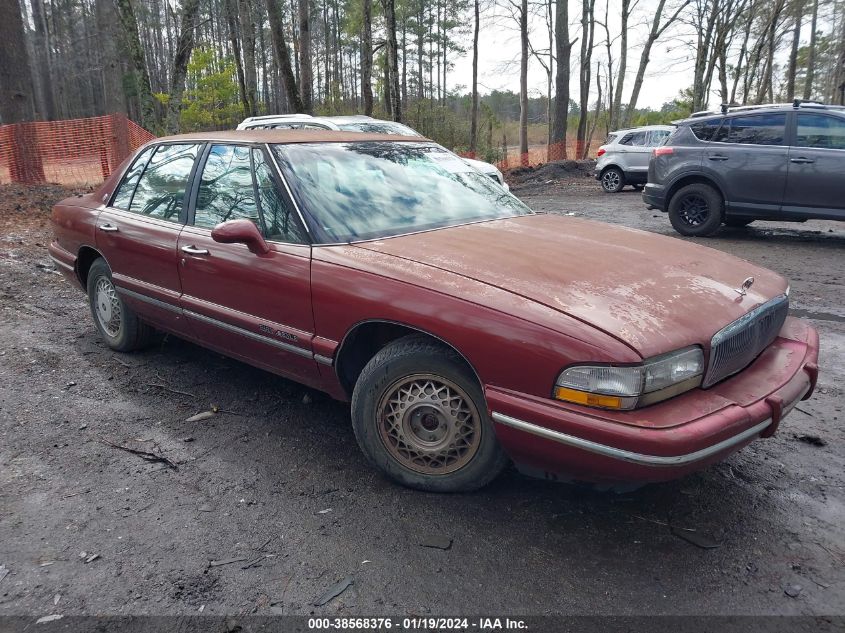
757, 129
818, 130
706, 130
656, 137
161, 188
123, 196
635, 139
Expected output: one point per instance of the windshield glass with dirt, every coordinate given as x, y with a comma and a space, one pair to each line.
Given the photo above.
358, 191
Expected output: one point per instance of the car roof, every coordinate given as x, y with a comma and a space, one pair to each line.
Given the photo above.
643, 127
288, 136
726, 110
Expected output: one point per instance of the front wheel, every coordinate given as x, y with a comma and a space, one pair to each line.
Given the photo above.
419, 416
612, 180
696, 210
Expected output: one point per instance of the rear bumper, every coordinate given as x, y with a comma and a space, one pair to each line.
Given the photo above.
65, 262
654, 196
666, 440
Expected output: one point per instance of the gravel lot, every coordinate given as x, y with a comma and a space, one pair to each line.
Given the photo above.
271, 503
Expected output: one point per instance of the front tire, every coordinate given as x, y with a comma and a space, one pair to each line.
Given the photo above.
420, 417
612, 180
696, 210
117, 323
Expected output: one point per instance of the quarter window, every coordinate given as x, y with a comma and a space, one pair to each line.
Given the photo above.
757, 129
123, 197
226, 191
161, 188
817, 130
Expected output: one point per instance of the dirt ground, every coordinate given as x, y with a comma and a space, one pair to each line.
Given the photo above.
270, 502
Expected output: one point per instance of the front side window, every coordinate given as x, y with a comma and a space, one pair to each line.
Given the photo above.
818, 130
161, 188
281, 223
757, 129
123, 195
226, 191
371, 189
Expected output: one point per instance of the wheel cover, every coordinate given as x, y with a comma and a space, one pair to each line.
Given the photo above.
610, 179
108, 307
429, 424
694, 210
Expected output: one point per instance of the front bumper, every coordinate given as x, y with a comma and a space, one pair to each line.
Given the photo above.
666, 440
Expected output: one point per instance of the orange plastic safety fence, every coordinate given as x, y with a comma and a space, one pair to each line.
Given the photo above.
70, 152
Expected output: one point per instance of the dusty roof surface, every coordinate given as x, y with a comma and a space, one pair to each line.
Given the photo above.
290, 136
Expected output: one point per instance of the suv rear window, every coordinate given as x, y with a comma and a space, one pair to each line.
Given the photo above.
705, 130
754, 129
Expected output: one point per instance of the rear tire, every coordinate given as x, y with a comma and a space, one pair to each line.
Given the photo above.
738, 222
696, 210
612, 180
420, 417
117, 323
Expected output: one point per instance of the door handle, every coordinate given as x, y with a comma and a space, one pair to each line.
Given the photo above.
108, 228
718, 157
193, 250
801, 160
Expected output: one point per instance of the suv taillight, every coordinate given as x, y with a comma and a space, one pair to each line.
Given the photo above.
663, 151
601, 152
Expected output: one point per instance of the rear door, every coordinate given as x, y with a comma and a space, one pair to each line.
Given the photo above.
138, 232
253, 307
816, 182
749, 158
635, 150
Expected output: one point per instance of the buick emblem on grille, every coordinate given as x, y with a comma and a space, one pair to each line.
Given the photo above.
743, 289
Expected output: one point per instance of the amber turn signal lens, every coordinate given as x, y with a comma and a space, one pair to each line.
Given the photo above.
588, 399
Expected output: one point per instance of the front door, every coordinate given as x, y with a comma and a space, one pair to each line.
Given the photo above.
815, 185
253, 307
138, 232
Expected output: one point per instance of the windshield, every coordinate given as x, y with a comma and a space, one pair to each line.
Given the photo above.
365, 190
378, 127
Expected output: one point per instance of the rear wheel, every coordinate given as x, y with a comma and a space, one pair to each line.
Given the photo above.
612, 180
696, 210
419, 416
738, 222
117, 323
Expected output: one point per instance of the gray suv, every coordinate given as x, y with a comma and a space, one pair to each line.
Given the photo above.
775, 162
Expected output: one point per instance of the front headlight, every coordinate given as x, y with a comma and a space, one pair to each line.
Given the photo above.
654, 380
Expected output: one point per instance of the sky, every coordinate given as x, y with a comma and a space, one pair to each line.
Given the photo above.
669, 71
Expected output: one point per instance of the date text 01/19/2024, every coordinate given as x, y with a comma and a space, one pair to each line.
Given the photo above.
417, 624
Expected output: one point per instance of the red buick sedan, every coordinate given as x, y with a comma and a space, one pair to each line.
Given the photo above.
466, 330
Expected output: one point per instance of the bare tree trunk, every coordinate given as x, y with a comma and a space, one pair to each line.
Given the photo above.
277, 31
811, 53
132, 41
587, 33
616, 106
473, 126
236, 53
47, 105
184, 47
305, 72
563, 47
248, 41
392, 60
523, 85
793, 53
367, 58
114, 98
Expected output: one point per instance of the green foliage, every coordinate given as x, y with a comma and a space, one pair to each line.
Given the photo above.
211, 100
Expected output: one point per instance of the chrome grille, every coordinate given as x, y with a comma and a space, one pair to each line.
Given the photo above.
737, 344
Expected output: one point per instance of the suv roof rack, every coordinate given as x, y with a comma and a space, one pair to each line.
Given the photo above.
277, 116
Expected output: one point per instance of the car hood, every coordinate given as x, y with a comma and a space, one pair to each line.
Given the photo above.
652, 292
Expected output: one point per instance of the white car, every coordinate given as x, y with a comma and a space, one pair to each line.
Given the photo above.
623, 159
354, 123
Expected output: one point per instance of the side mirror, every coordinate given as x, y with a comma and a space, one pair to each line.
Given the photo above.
240, 232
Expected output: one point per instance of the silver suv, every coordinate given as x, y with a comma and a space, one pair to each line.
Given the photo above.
623, 159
